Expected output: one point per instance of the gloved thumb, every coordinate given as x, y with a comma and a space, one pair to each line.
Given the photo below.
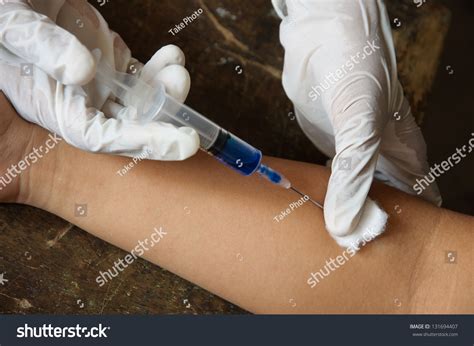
37, 40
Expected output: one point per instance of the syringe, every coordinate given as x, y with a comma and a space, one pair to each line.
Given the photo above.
154, 104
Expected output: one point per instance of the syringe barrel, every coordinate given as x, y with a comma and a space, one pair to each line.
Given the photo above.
163, 107
236, 153
226, 147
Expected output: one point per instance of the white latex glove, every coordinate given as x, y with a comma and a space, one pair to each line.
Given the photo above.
45, 57
340, 72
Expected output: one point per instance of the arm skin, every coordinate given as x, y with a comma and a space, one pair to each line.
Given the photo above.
221, 233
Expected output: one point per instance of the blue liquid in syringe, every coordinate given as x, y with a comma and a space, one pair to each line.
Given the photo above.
235, 153
244, 158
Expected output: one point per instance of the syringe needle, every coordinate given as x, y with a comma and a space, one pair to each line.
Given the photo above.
278, 179
310, 199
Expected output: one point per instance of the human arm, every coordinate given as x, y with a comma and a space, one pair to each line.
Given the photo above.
221, 233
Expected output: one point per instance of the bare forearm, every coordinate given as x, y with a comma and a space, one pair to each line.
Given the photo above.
221, 234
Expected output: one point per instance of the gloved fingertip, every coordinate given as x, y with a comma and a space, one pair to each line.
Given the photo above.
170, 143
173, 54
166, 56
176, 80
189, 143
79, 70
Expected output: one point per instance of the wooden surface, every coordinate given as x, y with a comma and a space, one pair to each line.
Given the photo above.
51, 265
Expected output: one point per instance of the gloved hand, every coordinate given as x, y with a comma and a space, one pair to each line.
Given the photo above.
340, 72
47, 72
